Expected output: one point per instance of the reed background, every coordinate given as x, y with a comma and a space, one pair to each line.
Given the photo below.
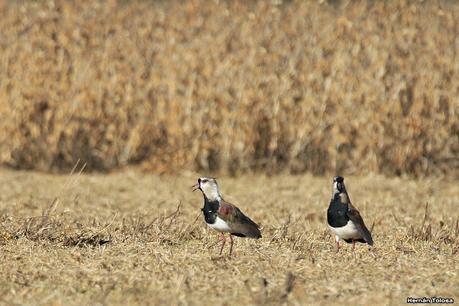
231, 86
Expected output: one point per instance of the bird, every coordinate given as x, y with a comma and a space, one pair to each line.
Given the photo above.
222, 216
343, 219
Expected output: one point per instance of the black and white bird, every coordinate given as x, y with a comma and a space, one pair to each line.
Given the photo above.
344, 219
222, 216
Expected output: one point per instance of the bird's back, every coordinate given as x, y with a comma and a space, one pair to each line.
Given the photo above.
240, 224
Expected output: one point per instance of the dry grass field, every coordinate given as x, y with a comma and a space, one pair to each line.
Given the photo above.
231, 86
160, 251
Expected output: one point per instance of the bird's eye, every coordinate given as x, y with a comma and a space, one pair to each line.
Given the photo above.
204, 181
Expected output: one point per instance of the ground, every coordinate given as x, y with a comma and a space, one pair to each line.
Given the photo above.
54, 228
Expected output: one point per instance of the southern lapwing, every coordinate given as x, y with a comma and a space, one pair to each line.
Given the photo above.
344, 219
222, 216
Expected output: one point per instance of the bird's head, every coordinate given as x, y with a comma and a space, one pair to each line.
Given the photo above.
338, 185
208, 187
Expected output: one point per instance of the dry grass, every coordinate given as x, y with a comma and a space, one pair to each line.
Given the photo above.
161, 252
231, 86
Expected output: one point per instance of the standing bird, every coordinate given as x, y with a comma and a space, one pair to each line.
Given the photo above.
344, 219
222, 216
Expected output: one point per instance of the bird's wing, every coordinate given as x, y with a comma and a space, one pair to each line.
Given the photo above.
238, 222
355, 217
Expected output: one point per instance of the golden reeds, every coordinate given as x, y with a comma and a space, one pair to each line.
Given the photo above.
231, 86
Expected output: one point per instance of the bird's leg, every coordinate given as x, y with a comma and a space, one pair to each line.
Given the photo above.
337, 243
353, 245
223, 239
231, 245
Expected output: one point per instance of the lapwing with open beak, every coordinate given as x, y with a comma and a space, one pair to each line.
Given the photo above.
344, 220
222, 216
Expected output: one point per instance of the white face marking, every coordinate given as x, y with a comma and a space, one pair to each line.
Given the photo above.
209, 187
220, 226
335, 187
349, 231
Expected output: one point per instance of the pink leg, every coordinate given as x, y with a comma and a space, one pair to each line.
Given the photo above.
337, 243
223, 242
231, 245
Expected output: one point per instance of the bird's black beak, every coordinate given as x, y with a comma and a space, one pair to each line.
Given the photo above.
195, 187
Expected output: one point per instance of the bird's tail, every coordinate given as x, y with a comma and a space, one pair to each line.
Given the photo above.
367, 236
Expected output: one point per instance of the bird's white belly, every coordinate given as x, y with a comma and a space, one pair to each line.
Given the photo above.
220, 225
349, 231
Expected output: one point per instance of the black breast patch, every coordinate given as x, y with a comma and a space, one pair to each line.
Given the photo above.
337, 213
210, 210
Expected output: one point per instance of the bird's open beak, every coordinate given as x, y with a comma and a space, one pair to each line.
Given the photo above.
195, 187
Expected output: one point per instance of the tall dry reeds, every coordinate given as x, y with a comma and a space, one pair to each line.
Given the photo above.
231, 85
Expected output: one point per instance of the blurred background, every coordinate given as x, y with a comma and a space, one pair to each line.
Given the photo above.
324, 87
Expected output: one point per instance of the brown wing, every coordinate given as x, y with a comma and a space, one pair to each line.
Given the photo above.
240, 224
355, 217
